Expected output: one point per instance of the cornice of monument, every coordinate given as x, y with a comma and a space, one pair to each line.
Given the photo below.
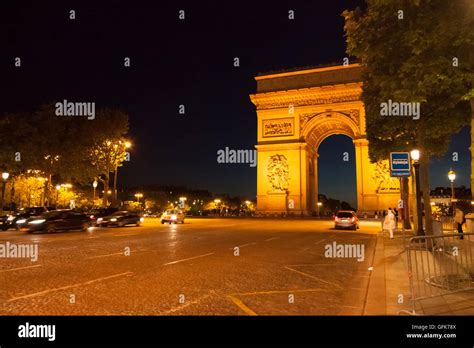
308, 96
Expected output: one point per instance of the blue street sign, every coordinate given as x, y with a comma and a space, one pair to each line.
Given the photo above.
400, 164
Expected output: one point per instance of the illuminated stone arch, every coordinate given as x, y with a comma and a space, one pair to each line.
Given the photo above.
324, 124
296, 111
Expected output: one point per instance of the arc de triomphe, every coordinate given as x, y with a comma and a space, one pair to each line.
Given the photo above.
296, 111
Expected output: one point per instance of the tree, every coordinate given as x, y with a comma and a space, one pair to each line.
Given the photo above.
107, 152
407, 50
58, 148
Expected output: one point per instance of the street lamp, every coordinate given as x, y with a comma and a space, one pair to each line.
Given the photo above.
217, 203
319, 204
94, 185
58, 187
43, 195
138, 196
452, 177
5, 176
415, 156
125, 145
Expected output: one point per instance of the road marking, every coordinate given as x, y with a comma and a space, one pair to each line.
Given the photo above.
19, 268
270, 292
242, 305
187, 304
68, 286
267, 240
106, 255
318, 279
189, 258
322, 240
243, 245
66, 248
115, 254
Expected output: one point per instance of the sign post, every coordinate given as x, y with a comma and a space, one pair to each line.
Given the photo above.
400, 166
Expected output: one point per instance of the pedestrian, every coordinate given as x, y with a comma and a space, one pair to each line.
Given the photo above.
395, 212
459, 220
389, 222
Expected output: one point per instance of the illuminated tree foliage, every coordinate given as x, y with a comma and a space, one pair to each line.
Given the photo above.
65, 148
414, 51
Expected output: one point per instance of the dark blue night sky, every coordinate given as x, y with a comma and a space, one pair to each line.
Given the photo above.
188, 63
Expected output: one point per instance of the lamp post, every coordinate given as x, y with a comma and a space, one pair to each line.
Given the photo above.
217, 203
5, 176
43, 195
452, 177
94, 185
58, 187
138, 196
415, 156
125, 145
319, 204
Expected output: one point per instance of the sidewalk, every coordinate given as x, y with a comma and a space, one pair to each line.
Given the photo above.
389, 287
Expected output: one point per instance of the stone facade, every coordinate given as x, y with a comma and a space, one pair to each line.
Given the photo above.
296, 111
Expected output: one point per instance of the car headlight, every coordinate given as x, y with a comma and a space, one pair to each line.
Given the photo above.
21, 221
11, 218
173, 217
113, 220
99, 219
35, 222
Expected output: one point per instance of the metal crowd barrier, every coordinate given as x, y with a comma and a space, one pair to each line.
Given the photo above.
448, 224
440, 265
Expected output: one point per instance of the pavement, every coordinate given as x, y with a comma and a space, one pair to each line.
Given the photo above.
218, 266
203, 267
389, 287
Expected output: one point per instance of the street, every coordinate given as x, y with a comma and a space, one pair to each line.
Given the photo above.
213, 266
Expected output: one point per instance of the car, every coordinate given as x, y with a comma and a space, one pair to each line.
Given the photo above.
120, 219
100, 213
58, 220
346, 219
172, 216
18, 220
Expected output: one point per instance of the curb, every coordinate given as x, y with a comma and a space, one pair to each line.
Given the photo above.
375, 302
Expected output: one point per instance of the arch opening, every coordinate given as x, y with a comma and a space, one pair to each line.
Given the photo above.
336, 175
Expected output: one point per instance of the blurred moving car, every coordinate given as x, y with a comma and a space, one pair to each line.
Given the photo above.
18, 220
58, 220
94, 215
346, 219
172, 216
120, 219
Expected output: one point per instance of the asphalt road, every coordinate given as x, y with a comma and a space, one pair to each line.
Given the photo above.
202, 267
